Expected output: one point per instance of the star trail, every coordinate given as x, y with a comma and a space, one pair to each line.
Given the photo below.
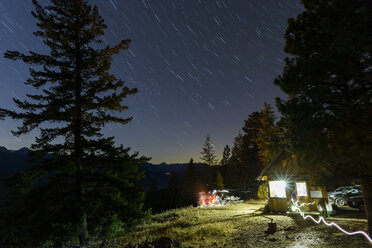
200, 67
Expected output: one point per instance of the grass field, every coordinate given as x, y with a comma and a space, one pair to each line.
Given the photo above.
242, 225
196, 226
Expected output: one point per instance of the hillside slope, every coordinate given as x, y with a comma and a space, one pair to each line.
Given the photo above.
243, 225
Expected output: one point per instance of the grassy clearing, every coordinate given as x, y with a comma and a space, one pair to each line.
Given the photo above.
196, 226
243, 226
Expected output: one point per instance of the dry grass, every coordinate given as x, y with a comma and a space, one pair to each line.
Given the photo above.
243, 226
195, 226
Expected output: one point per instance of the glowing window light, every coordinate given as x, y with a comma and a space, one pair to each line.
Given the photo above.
295, 207
301, 189
277, 189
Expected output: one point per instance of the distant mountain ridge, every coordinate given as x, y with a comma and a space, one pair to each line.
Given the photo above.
162, 172
21, 150
12, 161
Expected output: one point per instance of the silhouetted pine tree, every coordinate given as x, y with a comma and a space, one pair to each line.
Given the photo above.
208, 153
225, 155
81, 182
250, 133
270, 140
151, 196
189, 190
173, 189
244, 164
236, 163
219, 181
201, 183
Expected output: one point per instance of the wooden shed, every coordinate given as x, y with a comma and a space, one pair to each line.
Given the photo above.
287, 179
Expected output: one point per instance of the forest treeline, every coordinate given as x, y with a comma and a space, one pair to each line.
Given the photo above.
257, 143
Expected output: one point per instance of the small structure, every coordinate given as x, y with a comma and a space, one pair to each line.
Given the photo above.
288, 182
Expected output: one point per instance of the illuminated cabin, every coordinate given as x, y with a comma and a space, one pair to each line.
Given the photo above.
287, 179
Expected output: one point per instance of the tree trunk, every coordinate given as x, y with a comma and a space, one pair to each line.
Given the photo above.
83, 236
366, 185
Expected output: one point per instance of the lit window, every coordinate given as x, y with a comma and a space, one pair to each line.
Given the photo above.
277, 189
301, 189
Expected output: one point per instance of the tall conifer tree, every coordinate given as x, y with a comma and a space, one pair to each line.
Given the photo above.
225, 155
328, 79
189, 190
81, 182
173, 190
250, 133
244, 164
270, 139
219, 181
236, 163
208, 153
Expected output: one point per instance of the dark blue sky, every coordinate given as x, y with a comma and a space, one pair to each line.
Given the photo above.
201, 66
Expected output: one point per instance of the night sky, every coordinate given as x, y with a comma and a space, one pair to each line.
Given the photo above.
201, 66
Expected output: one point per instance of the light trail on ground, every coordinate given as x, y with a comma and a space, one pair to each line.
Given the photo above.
321, 219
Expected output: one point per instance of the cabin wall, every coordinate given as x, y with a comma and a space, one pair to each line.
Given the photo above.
286, 166
277, 204
324, 198
304, 199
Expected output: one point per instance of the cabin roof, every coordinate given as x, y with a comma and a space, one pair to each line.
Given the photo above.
267, 168
284, 165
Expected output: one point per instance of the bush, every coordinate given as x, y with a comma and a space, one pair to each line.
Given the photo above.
262, 192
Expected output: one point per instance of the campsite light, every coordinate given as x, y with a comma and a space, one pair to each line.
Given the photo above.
277, 189
301, 189
295, 207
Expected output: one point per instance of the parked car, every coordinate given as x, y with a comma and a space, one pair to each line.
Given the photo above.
356, 202
339, 196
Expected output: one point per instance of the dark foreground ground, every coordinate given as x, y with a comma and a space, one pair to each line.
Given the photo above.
243, 225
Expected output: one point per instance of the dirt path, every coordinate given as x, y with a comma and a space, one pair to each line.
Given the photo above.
294, 231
